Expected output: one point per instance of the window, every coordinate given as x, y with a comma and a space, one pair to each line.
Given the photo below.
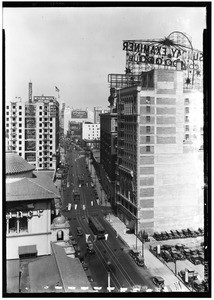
20, 148
187, 127
148, 109
187, 110
148, 139
148, 119
7, 113
40, 159
20, 113
40, 148
40, 130
40, 113
20, 142
51, 136
40, 107
20, 107
7, 125
20, 124
40, 153
20, 119
147, 99
186, 101
23, 224
40, 125
12, 225
186, 119
7, 119
147, 148
20, 130
40, 136
147, 129
186, 136
40, 165
20, 136
7, 107
40, 119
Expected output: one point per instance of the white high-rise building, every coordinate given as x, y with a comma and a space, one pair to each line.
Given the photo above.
33, 130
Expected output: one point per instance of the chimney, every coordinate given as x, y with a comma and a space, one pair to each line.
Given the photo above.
30, 92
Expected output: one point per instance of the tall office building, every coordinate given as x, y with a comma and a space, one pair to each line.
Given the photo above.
33, 130
159, 171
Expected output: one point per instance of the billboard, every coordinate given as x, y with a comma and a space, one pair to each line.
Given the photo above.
79, 114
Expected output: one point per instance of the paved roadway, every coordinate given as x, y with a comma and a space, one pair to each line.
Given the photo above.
124, 273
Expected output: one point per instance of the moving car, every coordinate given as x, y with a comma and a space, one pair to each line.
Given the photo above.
79, 231
158, 281
90, 247
85, 265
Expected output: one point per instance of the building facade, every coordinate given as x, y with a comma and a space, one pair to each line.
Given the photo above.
30, 208
33, 130
90, 131
160, 157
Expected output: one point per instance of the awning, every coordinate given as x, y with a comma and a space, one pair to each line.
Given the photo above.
31, 249
131, 225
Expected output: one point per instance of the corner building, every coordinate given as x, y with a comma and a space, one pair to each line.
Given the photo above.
160, 154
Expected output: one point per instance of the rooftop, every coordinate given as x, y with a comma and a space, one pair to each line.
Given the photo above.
15, 164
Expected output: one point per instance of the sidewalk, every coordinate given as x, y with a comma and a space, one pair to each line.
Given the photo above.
153, 264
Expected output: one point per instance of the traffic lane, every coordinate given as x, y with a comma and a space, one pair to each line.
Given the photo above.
141, 275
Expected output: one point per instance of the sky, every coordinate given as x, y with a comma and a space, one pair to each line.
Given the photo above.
75, 48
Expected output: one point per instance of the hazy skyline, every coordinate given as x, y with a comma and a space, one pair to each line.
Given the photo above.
76, 48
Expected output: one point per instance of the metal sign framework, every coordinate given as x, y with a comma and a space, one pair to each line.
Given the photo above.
145, 55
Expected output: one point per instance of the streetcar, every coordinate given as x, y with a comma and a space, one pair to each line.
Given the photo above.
76, 194
96, 227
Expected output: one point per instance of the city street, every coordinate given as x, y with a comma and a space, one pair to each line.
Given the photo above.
111, 255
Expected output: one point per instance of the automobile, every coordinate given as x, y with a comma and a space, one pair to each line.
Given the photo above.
201, 258
77, 250
185, 232
193, 251
170, 236
192, 232
164, 235
157, 236
198, 286
201, 231
194, 259
90, 247
180, 233
90, 279
166, 247
139, 261
166, 256
180, 246
186, 252
74, 241
176, 254
134, 253
85, 265
79, 231
174, 234
158, 281
190, 274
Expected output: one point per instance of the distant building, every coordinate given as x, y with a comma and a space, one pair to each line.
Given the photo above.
90, 131
160, 158
33, 130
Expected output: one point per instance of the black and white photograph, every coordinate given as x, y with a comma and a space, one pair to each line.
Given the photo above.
105, 126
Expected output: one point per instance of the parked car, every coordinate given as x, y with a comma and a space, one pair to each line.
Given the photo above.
166, 256
134, 253
194, 259
176, 254
169, 235
201, 258
186, 252
201, 231
193, 251
185, 232
79, 231
192, 232
157, 236
198, 286
90, 279
164, 235
180, 233
166, 247
158, 281
180, 247
174, 234
139, 261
